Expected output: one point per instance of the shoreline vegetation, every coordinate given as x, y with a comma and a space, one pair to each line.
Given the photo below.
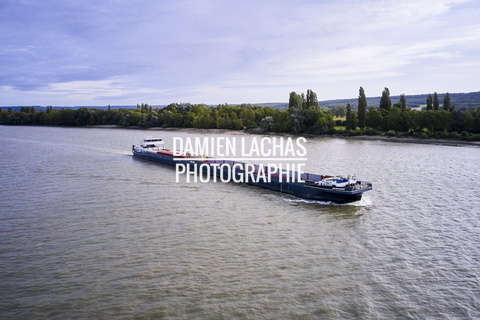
441, 142
435, 124
431, 141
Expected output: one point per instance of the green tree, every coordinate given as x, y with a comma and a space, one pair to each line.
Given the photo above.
236, 123
349, 122
468, 121
403, 101
362, 108
281, 121
443, 121
354, 121
247, 115
429, 102
267, 124
323, 123
311, 99
295, 100
385, 101
476, 121
374, 119
339, 111
311, 116
393, 120
426, 120
409, 119
447, 102
296, 120
436, 103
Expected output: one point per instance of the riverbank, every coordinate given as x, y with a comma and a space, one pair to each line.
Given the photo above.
432, 141
442, 142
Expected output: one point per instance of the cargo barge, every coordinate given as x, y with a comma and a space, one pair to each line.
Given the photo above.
336, 189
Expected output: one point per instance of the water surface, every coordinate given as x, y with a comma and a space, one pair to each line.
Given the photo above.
87, 231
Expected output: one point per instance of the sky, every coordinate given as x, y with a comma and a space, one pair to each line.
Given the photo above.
124, 52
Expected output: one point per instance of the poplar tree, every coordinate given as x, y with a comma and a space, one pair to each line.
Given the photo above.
447, 102
362, 108
436, 103
312, 100
403, 101
429, 102
385, 101
304, 100
349, 120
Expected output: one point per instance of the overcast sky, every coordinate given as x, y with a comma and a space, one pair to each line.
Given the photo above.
123, 52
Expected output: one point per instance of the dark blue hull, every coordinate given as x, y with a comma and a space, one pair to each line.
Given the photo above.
305, 189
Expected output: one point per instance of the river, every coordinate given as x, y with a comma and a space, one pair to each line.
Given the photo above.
89, 232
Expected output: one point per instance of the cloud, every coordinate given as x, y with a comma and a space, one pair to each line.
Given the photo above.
127, 50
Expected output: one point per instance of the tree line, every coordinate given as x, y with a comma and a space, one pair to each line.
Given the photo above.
311, 119
400, 120
303, 115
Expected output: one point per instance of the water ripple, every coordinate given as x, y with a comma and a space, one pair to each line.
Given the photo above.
89, 232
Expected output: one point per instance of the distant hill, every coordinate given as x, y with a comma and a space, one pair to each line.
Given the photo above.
459, 100
274, 105
44, 108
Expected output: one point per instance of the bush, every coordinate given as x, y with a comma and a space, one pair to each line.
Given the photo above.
454, 135
474, 137
391, 133
350, 133
371, 132
424, 135
443, 135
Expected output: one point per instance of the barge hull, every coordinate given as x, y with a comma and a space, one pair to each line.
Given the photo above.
303, 190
